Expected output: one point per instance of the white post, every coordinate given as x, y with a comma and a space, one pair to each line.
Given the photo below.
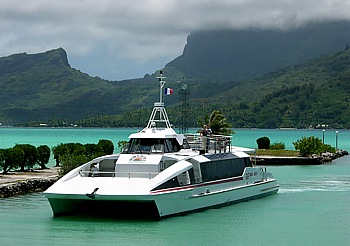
323, 135
336, 140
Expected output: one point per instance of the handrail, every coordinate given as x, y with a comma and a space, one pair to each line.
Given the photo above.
215, 143
117, 174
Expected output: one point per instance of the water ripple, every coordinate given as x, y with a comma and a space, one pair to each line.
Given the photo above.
334, 183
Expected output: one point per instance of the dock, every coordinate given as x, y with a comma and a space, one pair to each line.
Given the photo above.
264, 160
280, 161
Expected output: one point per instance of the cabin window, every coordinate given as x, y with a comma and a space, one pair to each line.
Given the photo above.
144, 146
185, 144
221, 169
171, 183
171, 145
151, 145
183, 179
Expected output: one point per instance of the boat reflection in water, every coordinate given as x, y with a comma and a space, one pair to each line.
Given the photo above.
161, 173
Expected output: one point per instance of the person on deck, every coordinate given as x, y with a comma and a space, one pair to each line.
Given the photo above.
205, 138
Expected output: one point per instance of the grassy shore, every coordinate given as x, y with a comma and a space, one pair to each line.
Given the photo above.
280, 153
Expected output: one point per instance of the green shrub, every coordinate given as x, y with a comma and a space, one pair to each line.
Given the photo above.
122, 145
30, 156
328, 148
92, 150
106, 146
263, 143
2, 159
57, 151
11, 158
278, 146
311, 145
72, 155
67, 149
44, 153
69, 162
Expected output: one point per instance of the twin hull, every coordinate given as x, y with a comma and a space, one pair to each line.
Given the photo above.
159, 203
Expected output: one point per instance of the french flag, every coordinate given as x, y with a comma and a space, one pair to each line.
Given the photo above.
168, 91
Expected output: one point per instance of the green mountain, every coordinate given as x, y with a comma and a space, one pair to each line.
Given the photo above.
308, 95
312, 94
236, 55
256, 78
34, 86
42, 86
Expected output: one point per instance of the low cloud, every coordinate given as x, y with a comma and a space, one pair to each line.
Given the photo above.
142, 32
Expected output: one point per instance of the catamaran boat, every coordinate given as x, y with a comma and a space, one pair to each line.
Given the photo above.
162, 173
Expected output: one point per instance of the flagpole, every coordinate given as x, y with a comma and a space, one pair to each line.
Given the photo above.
161, 83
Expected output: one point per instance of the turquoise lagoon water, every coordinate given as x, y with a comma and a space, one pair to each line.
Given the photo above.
311, 208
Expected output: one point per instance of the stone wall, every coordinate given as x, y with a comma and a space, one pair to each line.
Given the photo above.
27, 186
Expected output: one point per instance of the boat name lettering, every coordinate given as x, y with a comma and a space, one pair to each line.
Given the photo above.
251, 174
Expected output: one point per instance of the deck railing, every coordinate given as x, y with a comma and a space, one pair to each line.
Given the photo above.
114, 174
214, 143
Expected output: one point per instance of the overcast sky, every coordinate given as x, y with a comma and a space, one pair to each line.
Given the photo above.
119, 39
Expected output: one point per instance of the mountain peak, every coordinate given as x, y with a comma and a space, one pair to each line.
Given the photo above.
23, 62
238, 55
58, 56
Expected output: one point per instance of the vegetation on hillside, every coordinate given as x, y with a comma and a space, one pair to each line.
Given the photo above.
310, 95
43, 89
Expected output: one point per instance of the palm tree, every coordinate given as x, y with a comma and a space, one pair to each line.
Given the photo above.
217, 122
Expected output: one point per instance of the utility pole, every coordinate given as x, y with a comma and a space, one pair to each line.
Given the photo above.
184, 107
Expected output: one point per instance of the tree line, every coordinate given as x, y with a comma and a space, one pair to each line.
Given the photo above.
307, 146
23, 157
72, 155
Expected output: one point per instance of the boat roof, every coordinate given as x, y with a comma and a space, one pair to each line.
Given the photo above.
161, 133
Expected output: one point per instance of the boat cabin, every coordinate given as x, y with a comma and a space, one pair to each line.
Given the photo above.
153, 146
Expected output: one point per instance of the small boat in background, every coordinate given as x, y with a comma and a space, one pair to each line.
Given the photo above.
162, 173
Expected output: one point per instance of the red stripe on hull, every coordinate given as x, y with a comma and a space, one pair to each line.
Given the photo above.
198, 185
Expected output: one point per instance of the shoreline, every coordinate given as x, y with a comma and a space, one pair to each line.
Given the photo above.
20, 183
266, 160
38, 180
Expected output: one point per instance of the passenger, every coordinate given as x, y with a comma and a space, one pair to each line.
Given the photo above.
205, 131
95, 170
205, 138
209, 131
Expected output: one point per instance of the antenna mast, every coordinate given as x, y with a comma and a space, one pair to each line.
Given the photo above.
161, 86
158, 108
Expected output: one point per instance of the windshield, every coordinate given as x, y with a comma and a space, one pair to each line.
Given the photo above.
151, 145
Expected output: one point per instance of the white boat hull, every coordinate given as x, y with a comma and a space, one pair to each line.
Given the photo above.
165, 202
182, 202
